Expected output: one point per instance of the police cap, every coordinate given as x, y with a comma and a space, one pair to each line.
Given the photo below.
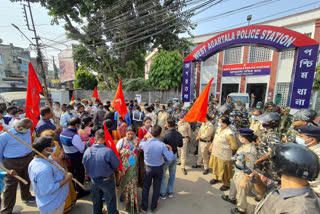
310, 131
157, 101
295, 160
307, 115
245, 131
268, 117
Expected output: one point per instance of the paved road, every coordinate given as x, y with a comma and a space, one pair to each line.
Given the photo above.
193, 195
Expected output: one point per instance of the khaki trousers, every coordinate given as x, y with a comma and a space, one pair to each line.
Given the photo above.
20, 165
238, 193
203, 154
182, 151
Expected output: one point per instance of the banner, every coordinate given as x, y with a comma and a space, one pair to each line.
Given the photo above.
66, 65
303, 76
247, 69
186, 85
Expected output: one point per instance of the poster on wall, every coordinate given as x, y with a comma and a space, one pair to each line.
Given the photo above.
66, 65
247, 69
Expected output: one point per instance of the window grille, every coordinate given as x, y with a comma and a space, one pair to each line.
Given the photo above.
259, 54
308, 34
287, 54
233, 56
283, 89
211, 61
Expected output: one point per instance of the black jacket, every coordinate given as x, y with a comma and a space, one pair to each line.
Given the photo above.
173, 138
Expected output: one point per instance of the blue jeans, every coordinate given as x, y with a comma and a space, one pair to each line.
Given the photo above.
172, 176
102, 187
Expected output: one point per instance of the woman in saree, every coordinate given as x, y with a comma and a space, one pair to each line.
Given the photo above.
58, 157
128, 176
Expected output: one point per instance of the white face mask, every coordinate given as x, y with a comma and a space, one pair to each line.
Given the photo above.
302, 141
53, 149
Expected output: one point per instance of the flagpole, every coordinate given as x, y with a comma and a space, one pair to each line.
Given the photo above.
40, 154
16, 176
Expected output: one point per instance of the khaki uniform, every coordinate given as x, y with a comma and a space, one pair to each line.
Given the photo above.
185, 130
256, 126
162, 119
235, 191
220, 161
206, 132
293, 201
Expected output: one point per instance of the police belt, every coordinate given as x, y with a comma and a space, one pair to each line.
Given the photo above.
205, 141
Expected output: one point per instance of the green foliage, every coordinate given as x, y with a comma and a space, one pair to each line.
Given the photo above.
115, 35
316, 82
136, 84
166, 70
85, 80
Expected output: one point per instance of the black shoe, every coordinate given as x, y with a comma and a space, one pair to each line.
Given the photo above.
214, 181
226, 198
236, 211
257, 199
83, 194
184, 171
224, 188
206, 171
196, 166
32, 199
179, 163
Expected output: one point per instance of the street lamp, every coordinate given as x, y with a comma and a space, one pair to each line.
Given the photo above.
249, 17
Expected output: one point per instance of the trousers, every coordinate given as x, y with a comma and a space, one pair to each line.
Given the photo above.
20, 165
171, 166
203, 154
78, 172
182, 151
239, 193
151, 174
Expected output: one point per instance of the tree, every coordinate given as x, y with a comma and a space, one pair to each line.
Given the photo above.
85, 80
136, 84
166, 70
115, 35
316, 82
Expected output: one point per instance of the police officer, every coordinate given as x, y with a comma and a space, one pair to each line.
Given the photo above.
255, 124
157, 107
297, 165
270, 121
285, 123
175, 115
205, 138
169, 108
211, 111
185, 130
309, 136
244, 159
300, 118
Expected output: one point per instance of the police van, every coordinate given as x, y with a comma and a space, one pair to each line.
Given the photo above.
243, 97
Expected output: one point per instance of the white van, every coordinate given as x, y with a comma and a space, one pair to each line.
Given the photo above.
244, 97
18, 98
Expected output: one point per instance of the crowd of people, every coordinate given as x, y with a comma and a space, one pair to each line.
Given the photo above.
263, 149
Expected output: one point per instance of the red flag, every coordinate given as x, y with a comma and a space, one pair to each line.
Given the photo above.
33, 96
95, 94
72, 98
198, 111
119, 103
110, 144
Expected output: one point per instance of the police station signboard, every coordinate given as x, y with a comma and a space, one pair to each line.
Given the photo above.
247, 69
276, 37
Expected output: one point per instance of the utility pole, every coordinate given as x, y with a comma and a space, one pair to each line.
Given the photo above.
55, 73
37, 38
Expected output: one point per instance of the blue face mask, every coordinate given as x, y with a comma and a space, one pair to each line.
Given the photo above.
21, 116
54, 107
219, 125
258, 107
265, 125
302, 141
53, 149
254, 117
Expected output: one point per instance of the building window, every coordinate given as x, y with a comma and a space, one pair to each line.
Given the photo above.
1, 60
287, 54
259, 54
211, 61
283, 89
308, 34
212, 89
233, 56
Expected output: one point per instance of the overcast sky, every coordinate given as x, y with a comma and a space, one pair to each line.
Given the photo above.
13, 13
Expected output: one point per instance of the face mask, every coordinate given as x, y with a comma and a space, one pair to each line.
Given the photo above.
53, 149
76, 102
240, 107
24, 130
258, 107
219, 125
254, 117
54, 107
265, 125
302, 141
21, 116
